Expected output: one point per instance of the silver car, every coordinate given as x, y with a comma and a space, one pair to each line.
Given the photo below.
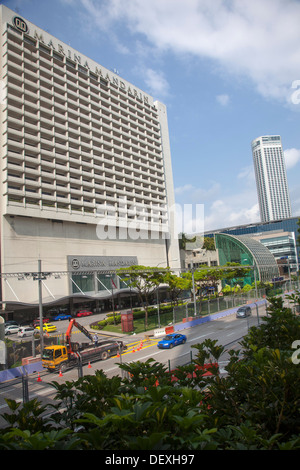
11, 329
26, 331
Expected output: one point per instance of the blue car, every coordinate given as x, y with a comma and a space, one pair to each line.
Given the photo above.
61, 316
171, 340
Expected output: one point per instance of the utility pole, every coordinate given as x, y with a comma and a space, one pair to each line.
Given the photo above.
194, 294
40, 278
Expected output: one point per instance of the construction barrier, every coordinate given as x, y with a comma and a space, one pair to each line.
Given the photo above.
215, 316
169, 329
159, 332
9, 374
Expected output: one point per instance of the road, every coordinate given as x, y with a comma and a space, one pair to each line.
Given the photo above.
227, 330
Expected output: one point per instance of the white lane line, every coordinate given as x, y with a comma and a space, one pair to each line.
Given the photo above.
197, 337
232, 333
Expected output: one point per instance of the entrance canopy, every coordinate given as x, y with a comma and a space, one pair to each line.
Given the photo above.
246, 251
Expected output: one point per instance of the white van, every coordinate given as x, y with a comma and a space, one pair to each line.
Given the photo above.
26, 331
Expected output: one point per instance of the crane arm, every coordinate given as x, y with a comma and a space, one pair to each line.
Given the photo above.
81, 328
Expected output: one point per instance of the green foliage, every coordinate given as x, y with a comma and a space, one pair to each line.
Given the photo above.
209, 244
255, 406
143, 279
176, 284
279, 329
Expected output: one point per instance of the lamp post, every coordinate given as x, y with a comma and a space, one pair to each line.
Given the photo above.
39, 276
112, 295
128, 278
40, 304
157, 300
193, 284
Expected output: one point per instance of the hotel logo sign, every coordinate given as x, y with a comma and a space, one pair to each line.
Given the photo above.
75, 58
75, 263
100, 263
20, 24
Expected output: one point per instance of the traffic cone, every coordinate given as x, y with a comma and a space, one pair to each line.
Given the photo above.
133, 350
60, 373
39, 378
89, 366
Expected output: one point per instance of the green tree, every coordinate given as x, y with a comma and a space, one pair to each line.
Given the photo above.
176, 285
209, 244
204, 279
234, 273
144, 280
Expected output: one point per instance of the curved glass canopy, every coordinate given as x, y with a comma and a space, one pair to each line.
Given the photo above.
245, 250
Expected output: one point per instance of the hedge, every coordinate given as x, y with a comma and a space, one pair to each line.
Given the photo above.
137, 313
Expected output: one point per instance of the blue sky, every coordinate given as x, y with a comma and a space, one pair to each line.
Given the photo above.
227, 70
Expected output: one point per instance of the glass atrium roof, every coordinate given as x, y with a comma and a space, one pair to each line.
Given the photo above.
245, 250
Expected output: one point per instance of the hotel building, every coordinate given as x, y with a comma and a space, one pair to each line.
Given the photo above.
271, 180
86, 175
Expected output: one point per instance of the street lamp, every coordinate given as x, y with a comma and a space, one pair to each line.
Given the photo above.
157, 299
112, 294
193, 284
128, 278
39, 276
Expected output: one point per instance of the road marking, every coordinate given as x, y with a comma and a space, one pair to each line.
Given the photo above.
232, 333
197, 337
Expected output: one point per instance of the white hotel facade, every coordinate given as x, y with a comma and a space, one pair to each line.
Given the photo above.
86, 175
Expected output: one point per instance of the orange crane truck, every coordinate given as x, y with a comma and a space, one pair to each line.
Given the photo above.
63, 357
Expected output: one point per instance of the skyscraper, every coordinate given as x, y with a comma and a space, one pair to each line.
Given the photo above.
86, 174
271, 180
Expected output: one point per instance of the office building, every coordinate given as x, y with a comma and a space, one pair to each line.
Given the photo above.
279, 236
86, 175
271, 180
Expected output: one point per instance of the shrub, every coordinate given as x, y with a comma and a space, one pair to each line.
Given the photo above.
101, 324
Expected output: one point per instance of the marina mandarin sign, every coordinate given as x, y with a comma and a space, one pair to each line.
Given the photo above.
100, 263
63, 50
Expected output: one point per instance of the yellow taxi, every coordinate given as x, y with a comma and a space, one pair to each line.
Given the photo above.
47, 327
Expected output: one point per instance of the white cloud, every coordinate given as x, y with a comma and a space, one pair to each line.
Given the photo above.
223, 100
257, 40
156, 82
183, 189
197, 195
222, 214
221, 209
247, 176
292, 157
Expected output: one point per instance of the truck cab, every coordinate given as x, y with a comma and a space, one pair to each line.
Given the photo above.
54, 356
